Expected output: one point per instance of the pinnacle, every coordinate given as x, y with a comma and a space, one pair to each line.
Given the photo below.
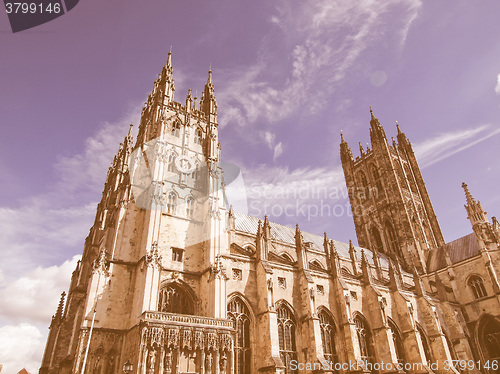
169, 58
397, 126
468, 195
373, 118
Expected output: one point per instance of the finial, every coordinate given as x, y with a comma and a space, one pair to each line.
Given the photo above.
397, 126
468, 195
371, 112
342, 137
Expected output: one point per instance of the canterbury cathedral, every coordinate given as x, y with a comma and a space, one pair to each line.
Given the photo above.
175, 280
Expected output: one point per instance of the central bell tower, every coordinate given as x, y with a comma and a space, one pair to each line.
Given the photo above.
392, 211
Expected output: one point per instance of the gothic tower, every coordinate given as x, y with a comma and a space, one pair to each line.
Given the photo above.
392, 210
153, 252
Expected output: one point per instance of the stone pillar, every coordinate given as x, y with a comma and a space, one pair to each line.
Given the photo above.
177, 359
202, 361
162, 359
216, 362
144, 360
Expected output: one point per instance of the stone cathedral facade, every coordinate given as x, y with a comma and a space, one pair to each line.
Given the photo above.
172, 280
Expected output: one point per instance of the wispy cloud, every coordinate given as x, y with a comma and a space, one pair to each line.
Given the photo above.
308, 31
497, 87
270, 139
445, 145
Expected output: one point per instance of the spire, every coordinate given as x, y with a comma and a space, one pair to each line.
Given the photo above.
167, 79
60, 307
189, 100
352, 253
208, 103
376, 130
365, 268
267, 228
259, 229
345, 150
298, 234
475, 211
401, 136
468, 195
169, 58
361, 149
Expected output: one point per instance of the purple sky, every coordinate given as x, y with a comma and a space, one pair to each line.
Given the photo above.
289, 75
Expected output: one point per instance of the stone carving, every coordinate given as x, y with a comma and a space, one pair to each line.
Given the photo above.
172, 337
101, 263
208, 363
156, 336
198, 340
153, 258
226, 342
211, 340
187, 338
223, 364
168, 361
151, 359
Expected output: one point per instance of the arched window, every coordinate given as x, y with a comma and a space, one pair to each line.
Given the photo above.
238, 312
377, 181
398, 342
176, 128
476, 283
363, 191
327, 328
392, 239
316, 265
171, 162
189, 207
171, 203
286, 336
376, 240
174, 299
197, 136
364, 339
489, 339
425, 344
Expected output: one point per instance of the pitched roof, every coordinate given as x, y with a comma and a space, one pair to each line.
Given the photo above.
459, 250
285, 234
